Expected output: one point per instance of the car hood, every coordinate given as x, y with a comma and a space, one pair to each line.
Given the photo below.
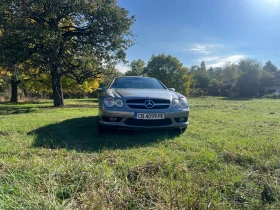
143, 93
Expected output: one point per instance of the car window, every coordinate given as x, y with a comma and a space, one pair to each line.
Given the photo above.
137, 83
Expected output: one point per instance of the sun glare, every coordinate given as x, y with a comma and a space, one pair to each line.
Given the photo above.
271, 5
273, 1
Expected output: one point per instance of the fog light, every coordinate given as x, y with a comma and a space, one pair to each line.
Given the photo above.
113, 119
181, 119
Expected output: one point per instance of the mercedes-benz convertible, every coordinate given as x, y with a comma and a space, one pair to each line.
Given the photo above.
142, 103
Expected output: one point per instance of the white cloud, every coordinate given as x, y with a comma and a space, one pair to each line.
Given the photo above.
212, 54
205, 49
122, 68
234, 58
208, 59
219, 62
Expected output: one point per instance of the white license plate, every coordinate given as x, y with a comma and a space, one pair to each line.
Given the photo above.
149, 116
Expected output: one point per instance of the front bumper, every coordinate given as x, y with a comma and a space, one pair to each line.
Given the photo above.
126, 119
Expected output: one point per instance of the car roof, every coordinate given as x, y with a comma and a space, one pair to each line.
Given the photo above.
132, 77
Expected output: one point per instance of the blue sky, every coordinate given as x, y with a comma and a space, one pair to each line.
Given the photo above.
215, 31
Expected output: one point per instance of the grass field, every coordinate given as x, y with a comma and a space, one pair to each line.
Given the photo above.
54, 158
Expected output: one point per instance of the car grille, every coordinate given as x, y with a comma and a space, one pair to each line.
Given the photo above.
150, 123
140, 103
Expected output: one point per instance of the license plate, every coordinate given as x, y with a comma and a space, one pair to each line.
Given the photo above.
149, 116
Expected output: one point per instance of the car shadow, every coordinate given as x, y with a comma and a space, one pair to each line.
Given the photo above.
82, 134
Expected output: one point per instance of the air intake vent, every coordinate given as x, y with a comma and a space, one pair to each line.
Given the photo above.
150, 123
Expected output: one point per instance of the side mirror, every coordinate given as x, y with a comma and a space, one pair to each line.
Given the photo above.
101, 89
172, 89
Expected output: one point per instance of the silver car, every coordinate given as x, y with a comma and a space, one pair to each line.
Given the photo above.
142, 103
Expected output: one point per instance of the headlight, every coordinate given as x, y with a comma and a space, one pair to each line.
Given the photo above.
175, 103
119, 103
109, 102
181, 103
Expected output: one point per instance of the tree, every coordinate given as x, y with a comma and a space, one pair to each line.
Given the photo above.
214, 87
201, 77
170, 71
12, 54
218, 72
202, 66
72, 38
249, 66
136, 68
41, 86
14, 75
211, 72
228, 78
270, 67
108, 79
3, 80
266, 79
193, 68
247, 83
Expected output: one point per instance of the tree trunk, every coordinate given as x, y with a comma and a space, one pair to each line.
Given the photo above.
57, 88
14, 84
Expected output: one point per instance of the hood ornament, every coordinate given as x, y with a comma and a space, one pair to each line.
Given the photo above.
149, 104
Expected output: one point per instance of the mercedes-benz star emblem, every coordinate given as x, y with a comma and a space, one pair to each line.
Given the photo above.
149, 104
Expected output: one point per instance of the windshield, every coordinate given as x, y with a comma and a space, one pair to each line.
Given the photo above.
137, 83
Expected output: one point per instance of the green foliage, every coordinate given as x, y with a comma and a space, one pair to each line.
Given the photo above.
225, 160
214, 87
170, 71
272, 95
193, 68
247, 83
78, 39
211, 72
228, 77
247, 79
201, 78
203, 66
270, 67
249, 65
109, 78
4, 88
137, 67
41, 87
229, 74
266, 79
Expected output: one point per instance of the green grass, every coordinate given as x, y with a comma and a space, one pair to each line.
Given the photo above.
54, 158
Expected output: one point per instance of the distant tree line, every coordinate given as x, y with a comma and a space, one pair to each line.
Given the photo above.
248, 78
68, 48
